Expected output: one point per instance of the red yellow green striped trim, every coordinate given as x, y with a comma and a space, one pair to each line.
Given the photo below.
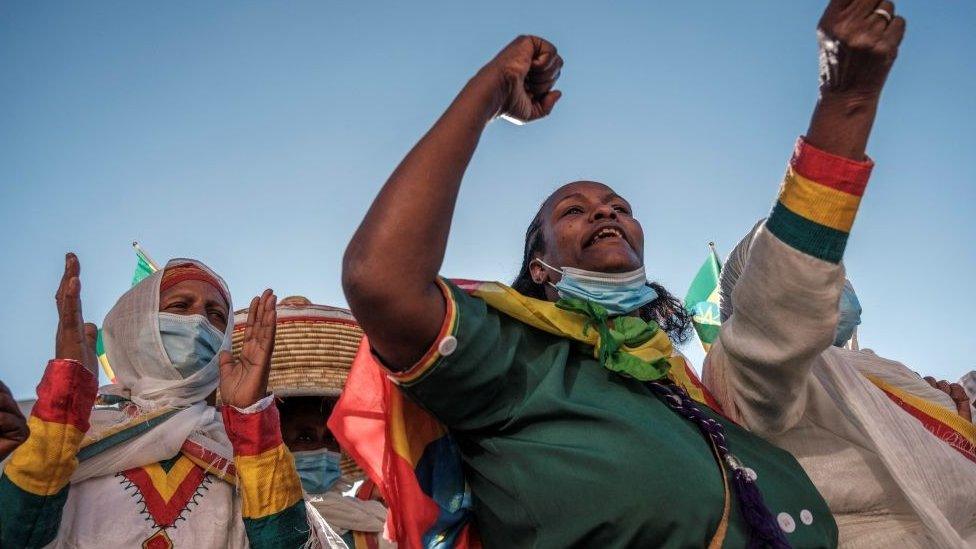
414, 373
818, 202
948, 426
44, 464
252, 433
211, 462
166, 493
365, 540
66, 394
268, 482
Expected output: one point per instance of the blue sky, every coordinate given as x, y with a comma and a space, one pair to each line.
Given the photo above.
254, 135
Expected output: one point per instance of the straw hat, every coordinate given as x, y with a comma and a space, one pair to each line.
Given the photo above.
314, 349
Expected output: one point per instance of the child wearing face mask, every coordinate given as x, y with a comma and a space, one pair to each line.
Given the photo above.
890, 454
314, 349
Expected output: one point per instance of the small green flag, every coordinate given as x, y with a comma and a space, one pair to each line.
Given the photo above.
702, 299
145, 266
143, 269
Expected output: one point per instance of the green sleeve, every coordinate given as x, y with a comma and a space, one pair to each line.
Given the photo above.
29, 520
470, 378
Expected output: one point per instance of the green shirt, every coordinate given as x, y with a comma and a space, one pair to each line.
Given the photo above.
560, 452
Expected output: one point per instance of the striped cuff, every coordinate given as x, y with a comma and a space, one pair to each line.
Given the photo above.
444, 343
266, 474
43, 465
818, 201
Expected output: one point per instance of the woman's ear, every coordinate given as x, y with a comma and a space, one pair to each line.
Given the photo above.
538, 272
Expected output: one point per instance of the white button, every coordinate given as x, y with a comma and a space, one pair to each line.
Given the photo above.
447, 346
786, 522
750, 473
806, 517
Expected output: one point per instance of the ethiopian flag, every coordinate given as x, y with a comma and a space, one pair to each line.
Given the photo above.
702, 299
145, 266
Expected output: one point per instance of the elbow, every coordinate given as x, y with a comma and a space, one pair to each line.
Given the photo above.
368, 285
357, 285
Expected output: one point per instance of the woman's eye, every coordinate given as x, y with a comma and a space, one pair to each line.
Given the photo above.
177, 305
573, 210
621, 209
217, 315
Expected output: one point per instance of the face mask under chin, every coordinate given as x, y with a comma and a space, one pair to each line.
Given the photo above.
190, 341
618, 293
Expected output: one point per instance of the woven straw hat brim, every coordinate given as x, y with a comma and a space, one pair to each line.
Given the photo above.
314, 349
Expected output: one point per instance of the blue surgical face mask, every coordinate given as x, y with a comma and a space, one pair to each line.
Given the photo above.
850, 315
189, 340
618, 293
318, 469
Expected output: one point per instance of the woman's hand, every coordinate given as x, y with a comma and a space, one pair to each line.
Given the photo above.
13, 425
956, 393
526, 70
858, 45
245, 381
859, 42
75, 340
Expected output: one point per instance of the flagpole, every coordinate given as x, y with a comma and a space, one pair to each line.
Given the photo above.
143, 253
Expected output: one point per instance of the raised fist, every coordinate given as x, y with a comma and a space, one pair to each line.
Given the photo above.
859, 42
528, 69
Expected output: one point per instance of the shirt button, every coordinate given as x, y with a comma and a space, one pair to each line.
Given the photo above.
447, 346
806, 517
786, 522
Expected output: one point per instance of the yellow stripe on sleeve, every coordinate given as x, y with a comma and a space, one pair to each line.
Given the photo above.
43, 465
268, 482
818, 203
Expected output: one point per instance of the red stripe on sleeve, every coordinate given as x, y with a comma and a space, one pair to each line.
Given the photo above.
252, 434
66, 394
830, 170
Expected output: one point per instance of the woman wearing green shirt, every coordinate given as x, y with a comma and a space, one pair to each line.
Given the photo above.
563, 398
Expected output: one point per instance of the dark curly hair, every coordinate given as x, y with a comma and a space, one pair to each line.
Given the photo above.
667, 310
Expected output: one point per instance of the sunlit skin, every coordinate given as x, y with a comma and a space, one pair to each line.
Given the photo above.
391, 266
572, 217
303, 424
195, 297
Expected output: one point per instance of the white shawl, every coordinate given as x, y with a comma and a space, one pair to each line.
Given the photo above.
146, 376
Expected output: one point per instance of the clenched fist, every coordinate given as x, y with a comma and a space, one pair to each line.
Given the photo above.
527, 70
859, 42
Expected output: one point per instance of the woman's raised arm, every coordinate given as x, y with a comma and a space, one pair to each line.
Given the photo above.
390, 268
785, 304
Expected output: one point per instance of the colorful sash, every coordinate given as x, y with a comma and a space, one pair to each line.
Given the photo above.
411, 456
947, 426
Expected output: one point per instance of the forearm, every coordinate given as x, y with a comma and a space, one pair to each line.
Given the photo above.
392, 262
271, 495
405, 230
34, 486
841, 124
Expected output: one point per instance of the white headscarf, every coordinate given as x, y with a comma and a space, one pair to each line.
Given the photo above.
146, 376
